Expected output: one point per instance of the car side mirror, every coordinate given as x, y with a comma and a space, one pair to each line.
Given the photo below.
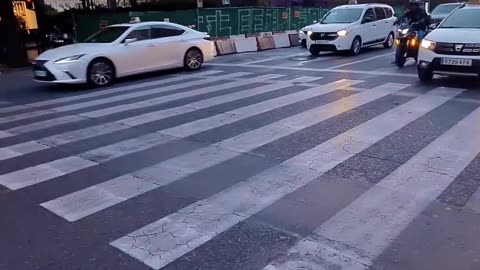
315, 21
432, 26
129, 40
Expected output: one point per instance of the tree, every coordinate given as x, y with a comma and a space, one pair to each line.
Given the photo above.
11, 36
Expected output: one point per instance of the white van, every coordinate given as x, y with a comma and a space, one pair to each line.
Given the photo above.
352, 27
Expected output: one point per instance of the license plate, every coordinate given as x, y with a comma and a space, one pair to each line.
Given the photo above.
321, 41
456, 62
40, 73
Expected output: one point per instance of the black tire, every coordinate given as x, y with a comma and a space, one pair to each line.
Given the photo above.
389, 41
314, 50
400, 58
424, 75
303, 43
100, 72
193, 59
356, 46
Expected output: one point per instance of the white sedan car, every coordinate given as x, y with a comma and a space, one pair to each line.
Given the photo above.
123, 50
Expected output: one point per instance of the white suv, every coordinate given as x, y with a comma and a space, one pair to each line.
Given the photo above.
351, 27
453, 48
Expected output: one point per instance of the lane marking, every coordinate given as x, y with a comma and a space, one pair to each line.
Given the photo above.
366, 227
106, 128
178, 77
174, 169
361, 72
121, 97
43, 172
201, 221
362, 60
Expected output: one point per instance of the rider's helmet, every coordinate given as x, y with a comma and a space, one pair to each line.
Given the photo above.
414, 4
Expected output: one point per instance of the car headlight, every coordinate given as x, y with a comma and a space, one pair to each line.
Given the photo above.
309, 33
342, 33
404, 31
69, 59
427, 44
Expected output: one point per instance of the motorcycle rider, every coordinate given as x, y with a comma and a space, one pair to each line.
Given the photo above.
418, 18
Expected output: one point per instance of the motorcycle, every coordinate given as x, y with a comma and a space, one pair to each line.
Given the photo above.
407, 44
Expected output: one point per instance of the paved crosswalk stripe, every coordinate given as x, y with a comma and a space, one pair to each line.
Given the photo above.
4, 134
203, 220
360, 232
107, 100
235, 115
120, 89
90, 132
164, 99
123, 148
202, 104
176, 168
43, 172
21, 149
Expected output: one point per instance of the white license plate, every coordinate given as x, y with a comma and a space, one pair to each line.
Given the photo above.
40, 73
456, 62
321, 41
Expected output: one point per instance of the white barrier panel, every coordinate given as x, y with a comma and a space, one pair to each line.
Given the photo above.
246, 45
291, 32
237, 36
225, 46
281, 41
265, 43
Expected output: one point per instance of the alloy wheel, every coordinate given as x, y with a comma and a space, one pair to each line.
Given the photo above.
101, 73
194, 59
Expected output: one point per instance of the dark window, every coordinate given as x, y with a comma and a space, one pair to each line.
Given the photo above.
380, 13
166, 31
342, 15
369, 16
139, 34
107, 35
462, 18
388, 12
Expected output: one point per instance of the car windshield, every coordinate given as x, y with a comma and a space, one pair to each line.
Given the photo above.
443, 9
342, 15
462, 18
107, 35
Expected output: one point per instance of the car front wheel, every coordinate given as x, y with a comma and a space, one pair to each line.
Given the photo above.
193, 59
389, 42
356, 46
424, 75
314, 50
100, 72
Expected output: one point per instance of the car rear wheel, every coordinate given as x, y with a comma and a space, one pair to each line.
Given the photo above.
101, 72
356, 46
193, 59
389, 42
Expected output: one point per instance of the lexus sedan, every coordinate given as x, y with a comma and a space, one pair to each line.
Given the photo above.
122, 50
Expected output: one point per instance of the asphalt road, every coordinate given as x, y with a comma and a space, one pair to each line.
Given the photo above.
270, 160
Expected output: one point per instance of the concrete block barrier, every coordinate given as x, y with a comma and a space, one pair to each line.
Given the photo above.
265, 43
281, 40
246, 44
294, 39
225, 46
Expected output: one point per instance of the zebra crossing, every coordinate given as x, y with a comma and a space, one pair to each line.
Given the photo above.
224, 108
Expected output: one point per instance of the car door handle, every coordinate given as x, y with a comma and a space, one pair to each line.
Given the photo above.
386, 22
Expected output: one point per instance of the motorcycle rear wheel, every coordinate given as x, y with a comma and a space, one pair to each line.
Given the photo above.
400, 58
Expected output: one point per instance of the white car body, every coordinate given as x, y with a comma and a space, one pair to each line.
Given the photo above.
128, 58
375, 32
302, 34
451, 51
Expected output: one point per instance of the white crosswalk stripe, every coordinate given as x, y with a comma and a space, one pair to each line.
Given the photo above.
115, 90
187, 164
370, 223
102, 129
351, 238
76, 118
212, 216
